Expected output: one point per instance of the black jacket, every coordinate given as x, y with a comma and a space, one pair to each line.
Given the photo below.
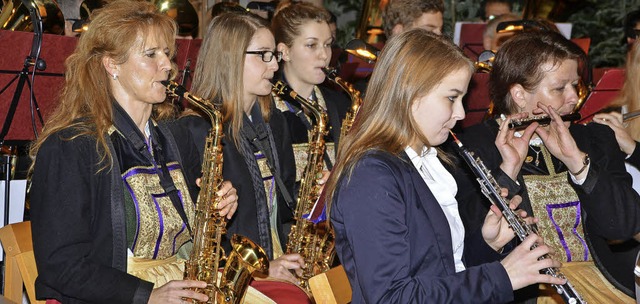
246, 220
78, 219
610, 206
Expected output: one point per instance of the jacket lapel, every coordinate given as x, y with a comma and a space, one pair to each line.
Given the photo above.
432, 210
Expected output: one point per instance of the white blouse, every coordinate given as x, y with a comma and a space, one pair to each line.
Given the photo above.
444, 188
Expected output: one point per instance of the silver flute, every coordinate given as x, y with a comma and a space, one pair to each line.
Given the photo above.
491, 189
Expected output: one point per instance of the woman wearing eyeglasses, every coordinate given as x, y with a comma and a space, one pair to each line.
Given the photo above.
236, 63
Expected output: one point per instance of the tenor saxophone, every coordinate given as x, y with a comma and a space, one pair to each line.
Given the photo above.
314, 242
356, 99
246, 257
491, 189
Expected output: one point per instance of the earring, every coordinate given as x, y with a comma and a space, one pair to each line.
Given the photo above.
115, 76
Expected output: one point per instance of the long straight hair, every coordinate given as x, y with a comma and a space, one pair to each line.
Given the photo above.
630, 93
219, 72
86, 98
410, 66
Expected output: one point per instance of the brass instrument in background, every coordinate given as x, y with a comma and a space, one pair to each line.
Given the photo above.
362, 50
583, 93
209, 226
15, 16
356, 100
485, 61
314, 242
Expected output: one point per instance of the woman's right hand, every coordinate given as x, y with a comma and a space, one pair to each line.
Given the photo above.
177, 291
523, 267
280, 267
513, 149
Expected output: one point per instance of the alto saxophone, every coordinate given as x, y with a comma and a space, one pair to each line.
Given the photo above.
314, 242
491, 189
356, 99
246, 257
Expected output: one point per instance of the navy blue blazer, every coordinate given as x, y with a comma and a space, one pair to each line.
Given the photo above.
395, 244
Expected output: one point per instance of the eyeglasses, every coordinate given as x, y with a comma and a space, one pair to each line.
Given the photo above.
637, 33
267, 56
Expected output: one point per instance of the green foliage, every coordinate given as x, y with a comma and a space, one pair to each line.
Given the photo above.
602, 21
348, 10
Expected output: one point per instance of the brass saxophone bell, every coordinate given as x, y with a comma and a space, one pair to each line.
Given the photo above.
246, 258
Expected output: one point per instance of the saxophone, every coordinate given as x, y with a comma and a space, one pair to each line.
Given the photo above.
314, 242
491, 189
246, 257
356, 99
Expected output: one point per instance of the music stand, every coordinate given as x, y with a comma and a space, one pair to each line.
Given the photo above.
32, 60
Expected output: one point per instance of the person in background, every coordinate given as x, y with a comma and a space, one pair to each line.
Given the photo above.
495, 8
627, 133
491, 40
632, 27
114, 181
226, 6
237, 60
303, 36
563, 171
403, 15
391, 201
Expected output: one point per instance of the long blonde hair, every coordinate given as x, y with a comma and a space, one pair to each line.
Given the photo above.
411, 65
219, 72
630, 93
86, 98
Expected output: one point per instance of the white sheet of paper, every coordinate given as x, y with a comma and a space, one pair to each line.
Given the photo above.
17, 194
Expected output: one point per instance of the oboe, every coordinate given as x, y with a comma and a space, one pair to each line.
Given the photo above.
491, 189
543, 120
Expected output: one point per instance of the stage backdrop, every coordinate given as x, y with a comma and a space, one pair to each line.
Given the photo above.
16, 46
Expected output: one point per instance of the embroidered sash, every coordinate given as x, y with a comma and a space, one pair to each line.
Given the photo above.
557, 207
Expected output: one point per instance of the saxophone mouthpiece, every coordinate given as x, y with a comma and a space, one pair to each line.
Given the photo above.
174, 88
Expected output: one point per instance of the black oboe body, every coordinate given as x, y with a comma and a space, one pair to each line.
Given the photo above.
491, 189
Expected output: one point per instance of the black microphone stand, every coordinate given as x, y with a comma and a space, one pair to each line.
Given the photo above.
32, 60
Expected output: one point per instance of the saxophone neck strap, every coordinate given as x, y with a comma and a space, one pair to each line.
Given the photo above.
307, 124
153, 151
260, 139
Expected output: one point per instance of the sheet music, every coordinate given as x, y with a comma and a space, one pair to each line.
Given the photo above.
17, 196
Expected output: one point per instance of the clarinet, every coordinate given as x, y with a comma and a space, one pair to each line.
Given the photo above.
491, 189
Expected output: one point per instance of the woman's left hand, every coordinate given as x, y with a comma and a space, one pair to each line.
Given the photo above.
322, 179
496, 231
228, 199
559, 141
228, 203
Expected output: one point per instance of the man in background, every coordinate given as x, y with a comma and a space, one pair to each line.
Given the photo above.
401, 15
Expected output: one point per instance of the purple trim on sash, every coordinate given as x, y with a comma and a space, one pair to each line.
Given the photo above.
161, 221
184, 226
574, 231
153, 171
137, 206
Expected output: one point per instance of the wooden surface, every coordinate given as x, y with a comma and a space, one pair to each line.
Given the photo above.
331, 287
20, 265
